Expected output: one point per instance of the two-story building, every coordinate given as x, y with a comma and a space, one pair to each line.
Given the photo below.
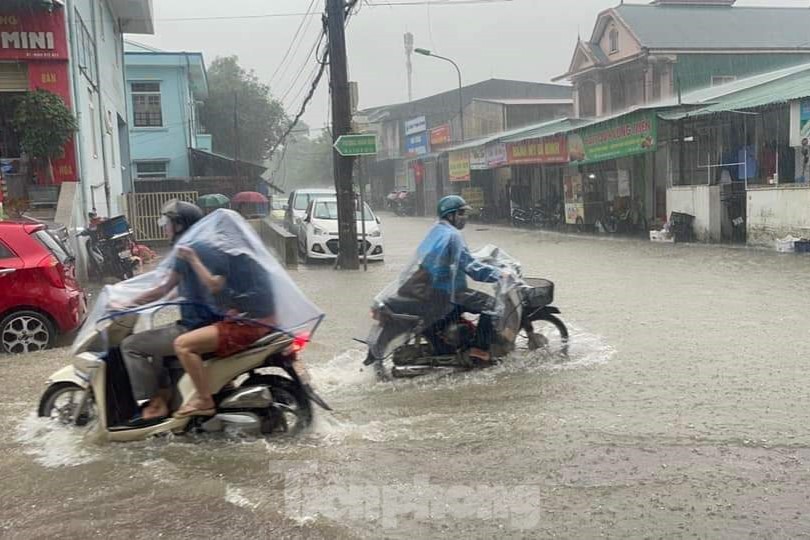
642, 53
164, 90
413, 137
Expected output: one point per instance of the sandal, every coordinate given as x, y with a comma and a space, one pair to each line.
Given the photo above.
187, 413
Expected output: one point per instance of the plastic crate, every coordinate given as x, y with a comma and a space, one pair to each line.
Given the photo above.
540, 292
113, 227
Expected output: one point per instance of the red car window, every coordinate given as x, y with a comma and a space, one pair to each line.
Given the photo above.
6, 253
53, 245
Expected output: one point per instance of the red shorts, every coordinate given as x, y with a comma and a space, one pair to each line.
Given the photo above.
235, 336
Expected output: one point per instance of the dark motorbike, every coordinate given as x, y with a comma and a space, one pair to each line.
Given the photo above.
109, 249
405, 204
414, 346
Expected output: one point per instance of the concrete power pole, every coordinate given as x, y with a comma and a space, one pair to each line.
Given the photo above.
341, 125
408, 65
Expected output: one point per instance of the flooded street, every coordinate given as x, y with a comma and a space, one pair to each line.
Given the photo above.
682, 411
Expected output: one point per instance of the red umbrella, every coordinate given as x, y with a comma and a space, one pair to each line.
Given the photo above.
249, 197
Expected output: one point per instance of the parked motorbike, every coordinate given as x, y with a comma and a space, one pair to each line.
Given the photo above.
405, 204
263, 389
408, 342
521, 217
110, 249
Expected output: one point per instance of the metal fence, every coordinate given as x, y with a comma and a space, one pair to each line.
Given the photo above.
143, 212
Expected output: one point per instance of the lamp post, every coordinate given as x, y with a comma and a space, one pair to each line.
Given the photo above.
425, 52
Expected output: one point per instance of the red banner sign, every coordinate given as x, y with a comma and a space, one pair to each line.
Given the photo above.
32, 35
440, 135
548, 150
53, 77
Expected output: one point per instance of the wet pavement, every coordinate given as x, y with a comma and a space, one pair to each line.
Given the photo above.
682, 411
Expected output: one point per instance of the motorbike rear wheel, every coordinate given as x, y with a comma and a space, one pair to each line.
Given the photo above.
549, 333
291, 411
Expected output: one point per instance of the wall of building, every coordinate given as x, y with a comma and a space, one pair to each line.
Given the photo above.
98, 105
775, 212
171, 141
704, 203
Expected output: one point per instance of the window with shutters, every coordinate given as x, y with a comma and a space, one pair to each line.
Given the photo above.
146, 106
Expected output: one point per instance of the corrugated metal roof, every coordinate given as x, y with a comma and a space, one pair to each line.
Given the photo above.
527, 101
771, 88
561, 125
709, 27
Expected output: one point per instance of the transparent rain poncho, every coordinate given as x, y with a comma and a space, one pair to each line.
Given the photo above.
255, 279
435, 282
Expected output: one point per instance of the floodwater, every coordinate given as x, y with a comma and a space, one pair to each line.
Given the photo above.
683, 411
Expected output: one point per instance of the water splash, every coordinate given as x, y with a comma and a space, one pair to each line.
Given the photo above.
235, 496
54, 445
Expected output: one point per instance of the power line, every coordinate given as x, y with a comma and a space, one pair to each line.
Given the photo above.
304, 19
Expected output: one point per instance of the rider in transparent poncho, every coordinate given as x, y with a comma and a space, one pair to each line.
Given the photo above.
434, 285
252, 276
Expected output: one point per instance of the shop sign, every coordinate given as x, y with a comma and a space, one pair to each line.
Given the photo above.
440, 136
574, 199
478, 158
496, 155
628, 135
459, 165
36, 34
547, 150
416, 125
417, 145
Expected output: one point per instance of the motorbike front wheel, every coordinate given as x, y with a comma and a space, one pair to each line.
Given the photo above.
61, 400
548, 333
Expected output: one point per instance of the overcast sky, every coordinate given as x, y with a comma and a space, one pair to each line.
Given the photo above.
529, 40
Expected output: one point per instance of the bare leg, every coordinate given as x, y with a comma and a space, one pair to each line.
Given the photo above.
188, 348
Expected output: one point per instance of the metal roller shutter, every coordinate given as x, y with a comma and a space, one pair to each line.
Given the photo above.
13, 77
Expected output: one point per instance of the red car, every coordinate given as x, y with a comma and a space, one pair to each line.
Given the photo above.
39, 295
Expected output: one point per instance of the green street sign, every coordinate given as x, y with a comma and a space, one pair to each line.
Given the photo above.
356, 145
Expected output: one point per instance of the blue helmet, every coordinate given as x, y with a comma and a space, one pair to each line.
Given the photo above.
451, 203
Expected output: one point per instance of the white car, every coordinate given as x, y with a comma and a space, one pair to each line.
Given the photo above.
299, 202
318, 234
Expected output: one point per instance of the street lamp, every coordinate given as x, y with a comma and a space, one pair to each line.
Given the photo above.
426, 52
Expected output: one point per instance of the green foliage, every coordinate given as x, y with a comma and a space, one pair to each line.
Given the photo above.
44, 123
260, 118
307, 163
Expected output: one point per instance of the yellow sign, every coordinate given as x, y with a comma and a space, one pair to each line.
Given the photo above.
459, 164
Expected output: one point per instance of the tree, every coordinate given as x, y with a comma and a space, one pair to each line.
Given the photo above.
45, 124
307, 163
260, 118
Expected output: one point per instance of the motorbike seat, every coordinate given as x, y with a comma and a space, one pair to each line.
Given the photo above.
172, 362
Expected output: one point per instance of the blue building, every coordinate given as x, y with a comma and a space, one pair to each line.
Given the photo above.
164, 90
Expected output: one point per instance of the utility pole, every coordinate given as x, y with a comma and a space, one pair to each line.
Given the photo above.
236, 136
341, 125
408, 64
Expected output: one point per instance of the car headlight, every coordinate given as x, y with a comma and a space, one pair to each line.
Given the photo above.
376, 234
317, 231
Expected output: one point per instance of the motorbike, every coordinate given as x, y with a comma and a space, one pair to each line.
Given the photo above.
109, 249
94, 391
405, 205
521, 217
408, 345
263, 389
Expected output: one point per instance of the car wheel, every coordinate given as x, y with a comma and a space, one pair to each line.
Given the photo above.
25, 332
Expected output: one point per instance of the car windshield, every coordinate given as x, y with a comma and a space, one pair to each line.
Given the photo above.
328, 210
302, 199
